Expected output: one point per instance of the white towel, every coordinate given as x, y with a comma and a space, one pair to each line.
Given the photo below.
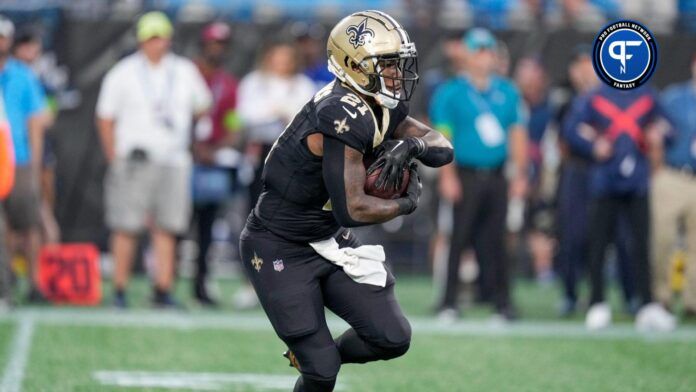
364, 264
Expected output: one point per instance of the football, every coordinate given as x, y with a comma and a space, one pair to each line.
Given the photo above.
372, 190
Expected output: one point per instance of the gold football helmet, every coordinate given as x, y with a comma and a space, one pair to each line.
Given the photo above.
365, 44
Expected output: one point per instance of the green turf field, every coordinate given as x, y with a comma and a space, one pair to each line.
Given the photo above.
69, 349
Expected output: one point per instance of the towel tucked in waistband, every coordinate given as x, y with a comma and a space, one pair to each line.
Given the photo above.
364, 264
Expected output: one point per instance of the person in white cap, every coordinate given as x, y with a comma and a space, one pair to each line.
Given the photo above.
144, 113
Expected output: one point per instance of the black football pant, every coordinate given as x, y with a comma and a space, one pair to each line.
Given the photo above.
479, 221
294, 284
604, 215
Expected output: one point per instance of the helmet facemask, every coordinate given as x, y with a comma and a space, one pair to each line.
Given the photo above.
397, 70
394, 78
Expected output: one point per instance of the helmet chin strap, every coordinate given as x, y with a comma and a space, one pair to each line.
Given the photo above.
387, 102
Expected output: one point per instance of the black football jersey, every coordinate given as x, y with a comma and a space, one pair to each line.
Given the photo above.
294, 203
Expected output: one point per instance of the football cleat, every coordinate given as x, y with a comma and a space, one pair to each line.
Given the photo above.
293, 360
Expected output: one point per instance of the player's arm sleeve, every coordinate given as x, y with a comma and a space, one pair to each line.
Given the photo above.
572, 130
333, 167
344, 177
434, 149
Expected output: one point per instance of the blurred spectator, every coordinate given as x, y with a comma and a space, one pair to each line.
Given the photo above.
687, 14
450, 65
144, 113
502, 61
482, 114
609, 127
573, 191
215, 155
674, 195
7, 174
447, 64
268, 99
492, 14
532, 80
28, 49
573, 199
611, 9
311, 46
25, 105
27, 46
576, 14
529, 14
661, 14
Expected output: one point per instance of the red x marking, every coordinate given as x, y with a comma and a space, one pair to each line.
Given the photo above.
624, 121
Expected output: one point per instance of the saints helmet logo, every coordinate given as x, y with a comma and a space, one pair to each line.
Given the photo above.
358, 33
341, 126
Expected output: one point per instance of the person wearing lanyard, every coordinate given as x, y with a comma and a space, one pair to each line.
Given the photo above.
674, 194
145, 108
483, 115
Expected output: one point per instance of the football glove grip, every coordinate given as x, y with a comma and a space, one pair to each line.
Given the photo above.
393, 156
409, 203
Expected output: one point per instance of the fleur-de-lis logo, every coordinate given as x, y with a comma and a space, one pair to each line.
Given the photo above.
341, 126
358, 33
256, 261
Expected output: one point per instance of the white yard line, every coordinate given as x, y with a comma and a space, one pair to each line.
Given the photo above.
196, 381
258, 322
19, 354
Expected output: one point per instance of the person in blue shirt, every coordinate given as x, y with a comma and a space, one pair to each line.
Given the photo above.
610, 127
573, 198
483, 115
25, 105
674, 194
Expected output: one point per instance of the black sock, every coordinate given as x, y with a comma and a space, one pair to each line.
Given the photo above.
310, 384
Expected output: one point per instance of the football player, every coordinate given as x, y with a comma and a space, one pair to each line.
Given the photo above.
296, 246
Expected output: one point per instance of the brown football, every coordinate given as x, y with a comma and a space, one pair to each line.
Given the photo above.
372, 190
